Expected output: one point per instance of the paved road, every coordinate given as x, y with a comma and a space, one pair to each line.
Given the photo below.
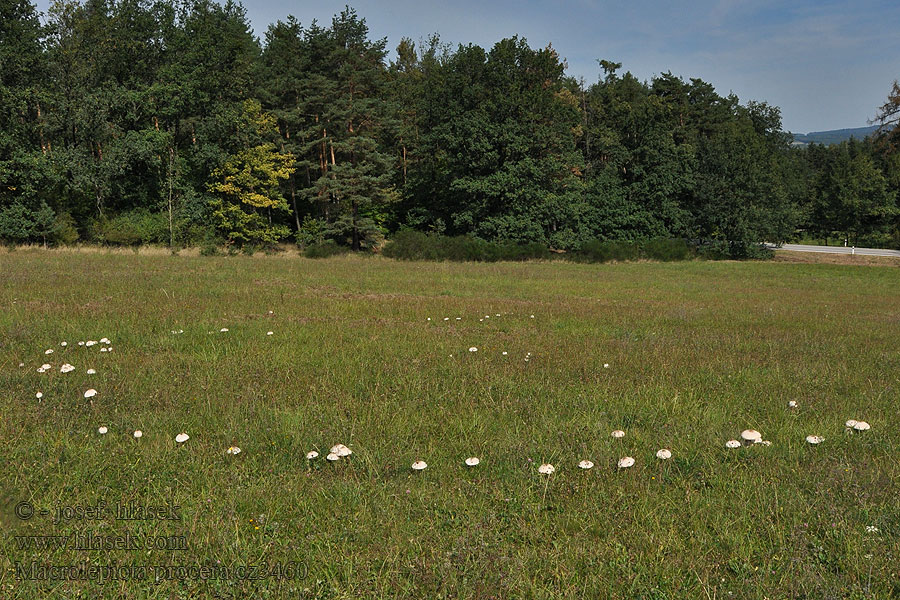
840, 250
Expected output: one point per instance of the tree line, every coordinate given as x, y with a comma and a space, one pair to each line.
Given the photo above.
168, 121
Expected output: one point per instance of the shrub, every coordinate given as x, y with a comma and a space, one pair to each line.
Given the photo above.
20, 223
415, 245
132, 228
666, 249
324, 250
605, 251
733, 250
64, 230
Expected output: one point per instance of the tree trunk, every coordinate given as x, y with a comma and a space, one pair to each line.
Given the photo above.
354, 213
171, 177
294, 200
404, 164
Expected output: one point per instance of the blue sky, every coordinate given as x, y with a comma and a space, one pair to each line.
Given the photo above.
827, 64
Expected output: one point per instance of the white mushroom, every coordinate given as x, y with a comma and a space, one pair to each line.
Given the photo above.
749, 436
66, 368
39, 395
473, 349
48, 351
105, 341
585, 464
814, 439
312, 455
341, 450
472, 461
138, 434
419, 465
546, 469
664, 454
233, 450
861, 426
763, 443
851, 423
270, 333
618, 434
223, 330
91, 372
64, 344
90, 343
90, 393
182, 438
605, 365
332, 457
732, 444
792, 404
102, 430
625, 462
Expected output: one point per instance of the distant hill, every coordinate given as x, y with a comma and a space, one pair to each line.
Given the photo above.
835, 136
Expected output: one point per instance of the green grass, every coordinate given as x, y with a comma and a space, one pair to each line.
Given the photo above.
697, 352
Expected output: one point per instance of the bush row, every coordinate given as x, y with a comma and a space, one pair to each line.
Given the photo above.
415, 245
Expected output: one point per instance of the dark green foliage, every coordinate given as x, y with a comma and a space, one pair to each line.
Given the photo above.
132, 228
324, 250
733, 250
414, 245
20, 224
661, 249
608, 250
665, 249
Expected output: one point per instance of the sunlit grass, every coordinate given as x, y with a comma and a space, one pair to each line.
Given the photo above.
696, 352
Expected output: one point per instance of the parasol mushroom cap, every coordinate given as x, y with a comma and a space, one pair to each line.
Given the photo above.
472, 461
138, 434
419, 465
312, 455
664, 454
90, 393
732, 444
618, 434
341, 450
332, 456
749, 436
546, 469
182, 438
814, 439
625, 462
861, 426
585, 464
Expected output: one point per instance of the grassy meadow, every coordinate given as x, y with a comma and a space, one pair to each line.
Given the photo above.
696, 353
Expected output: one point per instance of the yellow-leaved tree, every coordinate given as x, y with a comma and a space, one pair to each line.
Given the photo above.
249, 205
